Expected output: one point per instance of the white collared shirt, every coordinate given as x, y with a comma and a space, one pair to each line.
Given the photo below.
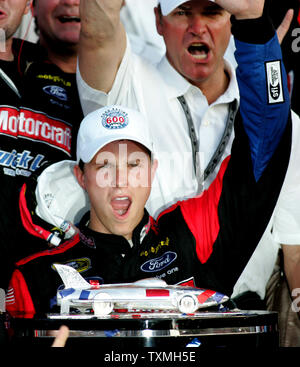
153, 89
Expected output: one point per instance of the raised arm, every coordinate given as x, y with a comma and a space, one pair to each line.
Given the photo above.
262, 79
229, 219
102, 42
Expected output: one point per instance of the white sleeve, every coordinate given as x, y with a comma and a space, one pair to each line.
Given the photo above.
259, 268
286, 226
92, 99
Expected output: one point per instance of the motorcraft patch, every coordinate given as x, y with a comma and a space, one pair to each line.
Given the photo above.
114, 118
35, 126
159, 263
274, 82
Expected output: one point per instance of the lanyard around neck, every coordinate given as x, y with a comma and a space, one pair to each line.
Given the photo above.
9, 82
233, 106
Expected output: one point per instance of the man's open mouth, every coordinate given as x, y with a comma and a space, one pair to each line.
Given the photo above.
198, 50
69, 19
121, 205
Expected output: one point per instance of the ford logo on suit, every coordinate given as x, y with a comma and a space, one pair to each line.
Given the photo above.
159, 263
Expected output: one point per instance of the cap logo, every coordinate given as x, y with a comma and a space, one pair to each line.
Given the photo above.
114, 119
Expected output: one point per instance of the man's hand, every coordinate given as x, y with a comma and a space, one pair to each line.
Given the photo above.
251, 9
99, 18
62, 336
102, 42
243, 9
285, 25
291, 258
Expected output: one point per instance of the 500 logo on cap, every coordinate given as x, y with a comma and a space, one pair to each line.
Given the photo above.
114, 119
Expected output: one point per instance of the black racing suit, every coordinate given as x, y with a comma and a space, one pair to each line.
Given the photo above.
207, 240
40, 114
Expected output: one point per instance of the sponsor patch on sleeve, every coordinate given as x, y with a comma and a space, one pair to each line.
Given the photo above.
274, 82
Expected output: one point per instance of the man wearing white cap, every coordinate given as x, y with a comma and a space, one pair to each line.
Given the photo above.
124, 78
204, 241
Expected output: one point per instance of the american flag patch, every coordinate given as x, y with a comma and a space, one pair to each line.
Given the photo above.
10, 297
2, 300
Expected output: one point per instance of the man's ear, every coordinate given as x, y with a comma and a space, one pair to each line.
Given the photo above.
78, 173
153, 169
28, 6
158, 21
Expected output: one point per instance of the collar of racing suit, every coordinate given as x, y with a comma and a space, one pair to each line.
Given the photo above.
38, 227
26, 52
90, 237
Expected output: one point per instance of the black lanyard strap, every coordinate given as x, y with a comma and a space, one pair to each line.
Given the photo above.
9, 82
233, 107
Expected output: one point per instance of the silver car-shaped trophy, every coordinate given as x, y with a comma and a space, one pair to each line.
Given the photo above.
145, 294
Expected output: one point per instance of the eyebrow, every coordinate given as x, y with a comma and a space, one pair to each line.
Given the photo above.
184, 7
214, 6
210, 5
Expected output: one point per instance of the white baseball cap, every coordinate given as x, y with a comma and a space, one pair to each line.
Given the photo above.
109, 124
167, 6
